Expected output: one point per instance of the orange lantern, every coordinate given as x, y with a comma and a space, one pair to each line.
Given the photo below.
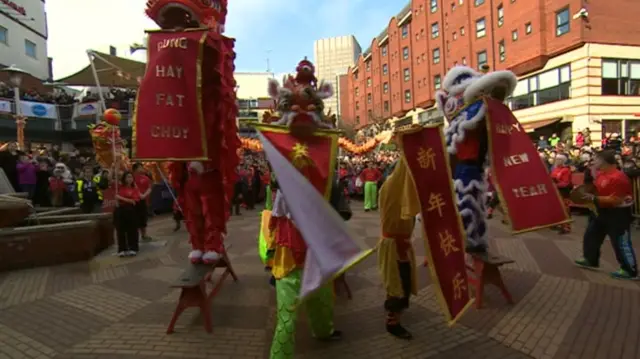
112, 116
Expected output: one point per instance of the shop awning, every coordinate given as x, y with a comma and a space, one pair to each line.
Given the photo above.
534, 125
113, 71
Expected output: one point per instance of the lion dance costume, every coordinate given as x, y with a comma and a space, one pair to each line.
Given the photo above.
462, 102
298, 121
205, 187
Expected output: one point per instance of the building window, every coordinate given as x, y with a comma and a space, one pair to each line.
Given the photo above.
562, 22
386, 106
435, 30
407, 96
455, 36
369, 98
357, 91
482, 59
464, 60
357, 105
384, 50
453, 6
460, 2
514, 35
4, 35
368, 65
385, 69
500, 15
462, 31
405, 53
481, 28
385, 87
434, 6
620, 77
502, 51
550, 86
368, 81
30, 48
478, 2
405, 31
436, 56
407, 75
437, 82
528, 28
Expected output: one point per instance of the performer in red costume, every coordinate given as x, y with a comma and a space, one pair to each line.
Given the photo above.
561, 175
206, 187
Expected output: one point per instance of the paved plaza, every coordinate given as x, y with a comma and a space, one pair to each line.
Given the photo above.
119, 308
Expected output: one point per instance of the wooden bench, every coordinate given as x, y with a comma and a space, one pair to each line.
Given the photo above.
193, 285
485, 269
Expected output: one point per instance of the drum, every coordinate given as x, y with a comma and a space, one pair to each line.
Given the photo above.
578, 194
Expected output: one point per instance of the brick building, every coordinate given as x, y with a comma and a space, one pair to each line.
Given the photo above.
578, 62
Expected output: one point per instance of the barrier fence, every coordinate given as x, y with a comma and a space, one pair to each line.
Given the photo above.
41, 110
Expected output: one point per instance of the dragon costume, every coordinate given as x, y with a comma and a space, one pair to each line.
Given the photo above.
205, 187
300, 130
462, 100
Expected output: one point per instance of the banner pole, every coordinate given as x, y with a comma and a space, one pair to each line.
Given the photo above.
166, 183
103, 104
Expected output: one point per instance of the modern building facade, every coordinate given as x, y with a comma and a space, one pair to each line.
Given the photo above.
578, 62
23, 36
332, 57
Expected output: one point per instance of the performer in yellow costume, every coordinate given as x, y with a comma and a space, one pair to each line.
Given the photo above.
398, 205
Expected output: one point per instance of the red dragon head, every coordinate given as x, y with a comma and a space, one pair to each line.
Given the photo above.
172, 14
299, 102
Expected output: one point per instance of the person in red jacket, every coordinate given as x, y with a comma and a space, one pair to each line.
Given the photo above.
143, 183
126, 215
561, 175
613, 217
370, 177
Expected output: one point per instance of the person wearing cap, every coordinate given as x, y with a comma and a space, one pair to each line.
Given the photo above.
561, 175
612, 218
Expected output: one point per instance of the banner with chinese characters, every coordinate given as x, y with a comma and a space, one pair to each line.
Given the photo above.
527, 192
168, 123
427, 159
314, 156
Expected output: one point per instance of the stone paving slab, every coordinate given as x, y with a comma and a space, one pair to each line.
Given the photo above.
115, 307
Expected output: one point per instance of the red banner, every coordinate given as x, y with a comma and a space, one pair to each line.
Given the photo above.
527, 193
168, 123
428, 161
314, 156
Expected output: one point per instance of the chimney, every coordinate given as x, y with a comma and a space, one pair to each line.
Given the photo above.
113, 51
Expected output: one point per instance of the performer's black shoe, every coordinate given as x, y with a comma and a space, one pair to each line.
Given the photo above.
177, 227
399, 331
336, 335
272, 281
480, 249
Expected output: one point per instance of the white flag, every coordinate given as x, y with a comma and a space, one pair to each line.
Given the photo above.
330, 248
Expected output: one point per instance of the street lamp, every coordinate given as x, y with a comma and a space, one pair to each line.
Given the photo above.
15, 78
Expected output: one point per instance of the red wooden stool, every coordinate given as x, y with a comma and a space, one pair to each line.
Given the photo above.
193, 284
485, 268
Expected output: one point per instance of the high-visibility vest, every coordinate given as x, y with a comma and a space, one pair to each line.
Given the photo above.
80, 188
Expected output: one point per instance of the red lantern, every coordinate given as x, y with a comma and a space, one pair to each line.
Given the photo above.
112, 116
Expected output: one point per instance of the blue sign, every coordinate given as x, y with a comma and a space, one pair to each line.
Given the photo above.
39, 110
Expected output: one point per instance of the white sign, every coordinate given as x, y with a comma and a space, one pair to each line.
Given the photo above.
5, 106
85, 109
38, 110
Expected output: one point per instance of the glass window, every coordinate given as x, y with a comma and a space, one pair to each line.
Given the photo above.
357, 91
481, 28
369, 98
30, 48
528, 28
455, 36
405, 31
482, 59
407, 96
385, 87
437, 82
407, 75
434, 6
384, 50
565, 74
502, 50
4, 35
634, 70
386, 106
436, 56
514, 35
405, 52
462, 31
464, 60
435, 30
562, 22
609, 69
368, 81
500, 15
533, 84
368, 65
548, 79
522, 88
385, 69
478, 2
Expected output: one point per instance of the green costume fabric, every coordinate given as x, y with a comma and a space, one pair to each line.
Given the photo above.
370, 195
319, 309
268, 201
